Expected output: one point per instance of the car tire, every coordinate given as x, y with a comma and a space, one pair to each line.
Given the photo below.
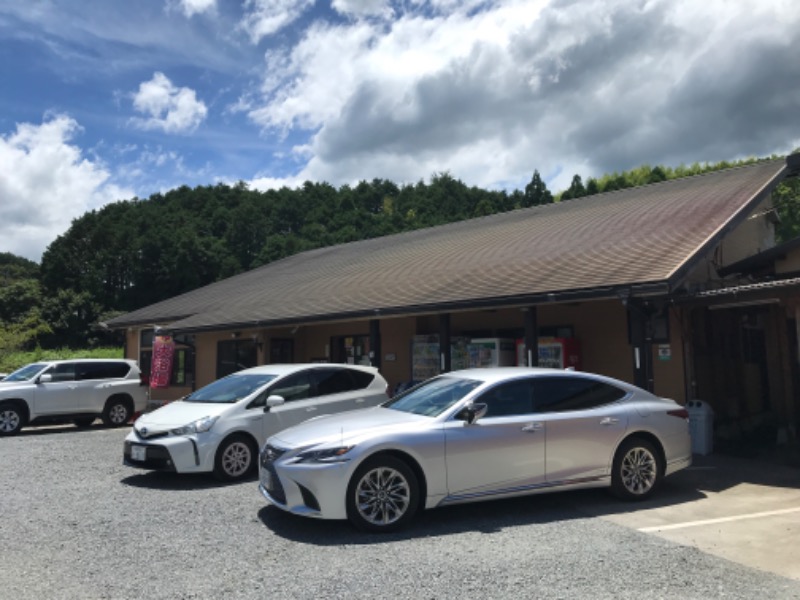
83, 422
383, 495
235, 459
12, 419
637, 470
117, 412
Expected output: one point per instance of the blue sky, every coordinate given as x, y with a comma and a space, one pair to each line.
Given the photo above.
106, 100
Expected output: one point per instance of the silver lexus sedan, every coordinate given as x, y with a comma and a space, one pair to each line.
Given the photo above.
472, 435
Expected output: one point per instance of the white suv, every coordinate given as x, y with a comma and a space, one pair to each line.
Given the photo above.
71, 390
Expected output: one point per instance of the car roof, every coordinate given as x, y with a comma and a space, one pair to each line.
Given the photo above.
130, 361
286, 369
494, 374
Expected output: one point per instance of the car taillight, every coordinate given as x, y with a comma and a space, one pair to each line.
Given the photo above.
681, 413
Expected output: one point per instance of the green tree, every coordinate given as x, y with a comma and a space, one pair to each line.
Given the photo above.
575, 190
536, 192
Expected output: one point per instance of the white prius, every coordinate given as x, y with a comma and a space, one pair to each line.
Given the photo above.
220, 427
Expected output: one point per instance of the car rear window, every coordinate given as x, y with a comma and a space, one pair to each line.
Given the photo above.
338, 380
554, 394
101, 370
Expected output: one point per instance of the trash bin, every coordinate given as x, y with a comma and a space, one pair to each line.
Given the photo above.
701, 426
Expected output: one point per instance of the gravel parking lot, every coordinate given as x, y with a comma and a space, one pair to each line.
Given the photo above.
76, 523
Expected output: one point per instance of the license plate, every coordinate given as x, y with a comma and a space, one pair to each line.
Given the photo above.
266, 479
139, 453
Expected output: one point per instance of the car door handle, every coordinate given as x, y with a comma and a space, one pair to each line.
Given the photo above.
609, 421
532, 428
311, 409
360, 400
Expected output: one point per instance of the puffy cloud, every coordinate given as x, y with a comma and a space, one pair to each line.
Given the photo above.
266, 17
196, 7
363, 8
491, 91
45, 182
170, 109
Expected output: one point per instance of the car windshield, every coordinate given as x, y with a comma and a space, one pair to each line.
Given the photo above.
230, 389
431, 398
26, 373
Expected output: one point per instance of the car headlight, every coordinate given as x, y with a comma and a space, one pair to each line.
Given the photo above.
326, 455
199, 426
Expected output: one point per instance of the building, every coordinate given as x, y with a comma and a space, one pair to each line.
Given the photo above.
676, 286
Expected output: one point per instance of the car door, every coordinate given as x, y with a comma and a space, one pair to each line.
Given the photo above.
59, 395
300, 401
94, 380
584, 423
502, 452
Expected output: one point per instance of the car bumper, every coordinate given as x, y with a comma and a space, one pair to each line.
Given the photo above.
310, 490
180, 454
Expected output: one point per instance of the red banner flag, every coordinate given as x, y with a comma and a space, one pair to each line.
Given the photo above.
161, 367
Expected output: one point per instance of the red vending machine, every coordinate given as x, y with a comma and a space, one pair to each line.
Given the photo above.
555, 353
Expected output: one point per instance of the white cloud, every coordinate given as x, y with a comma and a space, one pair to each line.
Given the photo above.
265, 17
490, 91
170, 109
45, 182
197, 7
363, 8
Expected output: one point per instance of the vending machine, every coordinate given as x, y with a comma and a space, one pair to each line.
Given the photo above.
425, 356
491, 352
555, 353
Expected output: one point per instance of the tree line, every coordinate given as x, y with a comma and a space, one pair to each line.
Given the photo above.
133, 253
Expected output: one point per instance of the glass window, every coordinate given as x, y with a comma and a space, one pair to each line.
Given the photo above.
25, 373
333, 381
508, 399
62, 372
235, 355
554, 394
432, 397
293, 387
101, 370
230, 389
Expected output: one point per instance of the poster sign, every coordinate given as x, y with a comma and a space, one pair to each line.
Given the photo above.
161, 367
664, 352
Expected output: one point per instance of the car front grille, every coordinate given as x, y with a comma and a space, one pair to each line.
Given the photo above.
147, 434
268, 457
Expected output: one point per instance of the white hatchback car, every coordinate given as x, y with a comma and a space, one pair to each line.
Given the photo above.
78, 390
219, 428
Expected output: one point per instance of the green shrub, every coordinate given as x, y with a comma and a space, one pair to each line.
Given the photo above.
14, 360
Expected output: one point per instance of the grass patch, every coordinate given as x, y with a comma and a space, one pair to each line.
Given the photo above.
14, 360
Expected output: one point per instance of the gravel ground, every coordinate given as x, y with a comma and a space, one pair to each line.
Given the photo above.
76, 523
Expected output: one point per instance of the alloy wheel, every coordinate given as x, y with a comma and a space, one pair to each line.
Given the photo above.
9, 421
118, 414
383, 496
639, 470
236, 459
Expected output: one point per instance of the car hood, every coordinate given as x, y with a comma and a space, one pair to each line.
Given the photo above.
10, 386
178, 414
348, 427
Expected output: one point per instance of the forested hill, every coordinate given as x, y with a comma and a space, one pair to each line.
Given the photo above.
133, 253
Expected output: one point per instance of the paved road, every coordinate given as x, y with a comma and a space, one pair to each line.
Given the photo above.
76, 524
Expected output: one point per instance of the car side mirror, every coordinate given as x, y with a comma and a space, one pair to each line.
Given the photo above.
471, 413
46, 378
274, 401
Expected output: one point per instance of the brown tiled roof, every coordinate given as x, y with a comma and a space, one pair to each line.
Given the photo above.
643, 236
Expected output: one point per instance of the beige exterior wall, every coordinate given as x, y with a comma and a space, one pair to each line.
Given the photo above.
601, 328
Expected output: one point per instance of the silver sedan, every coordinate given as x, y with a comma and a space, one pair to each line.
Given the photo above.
473, 435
